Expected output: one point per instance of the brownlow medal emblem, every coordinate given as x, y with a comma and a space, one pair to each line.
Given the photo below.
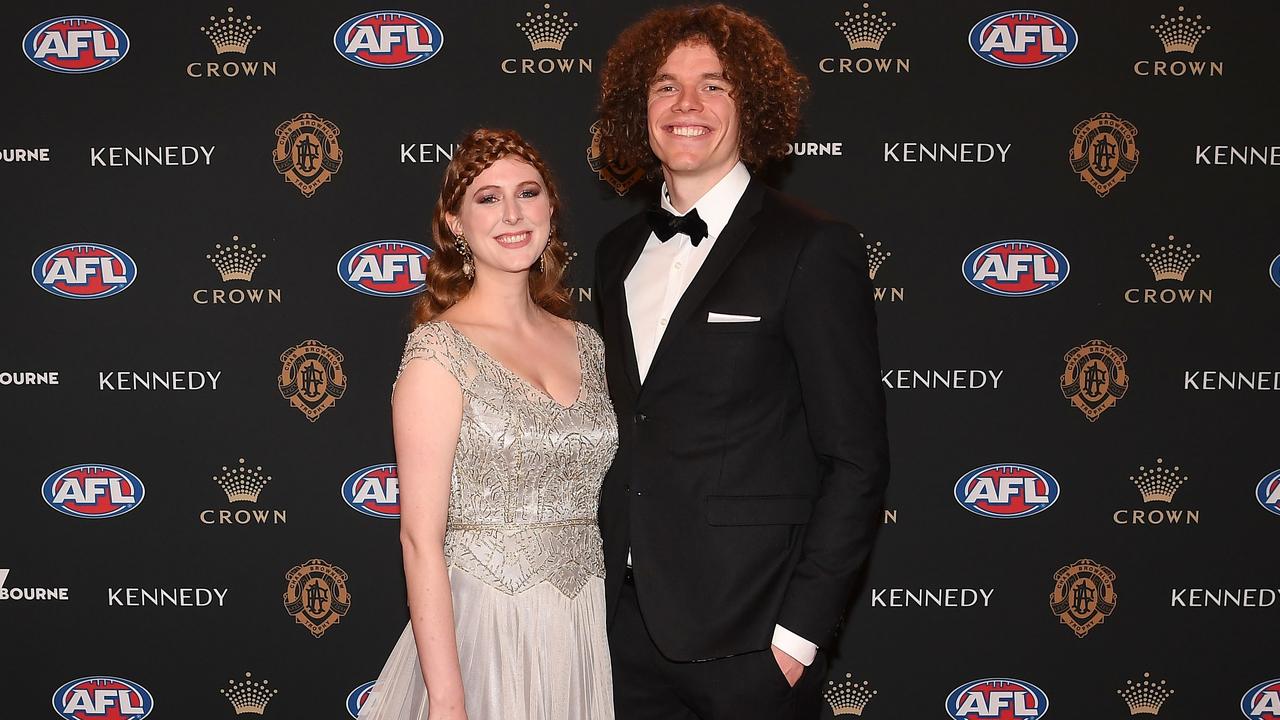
307, 152
1104, 153
1095, 377
621, 177
1083, 595
311, 377
316, 595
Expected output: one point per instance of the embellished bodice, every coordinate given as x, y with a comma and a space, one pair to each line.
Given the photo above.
526, 470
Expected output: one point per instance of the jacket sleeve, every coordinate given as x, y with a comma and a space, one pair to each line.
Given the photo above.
830, 326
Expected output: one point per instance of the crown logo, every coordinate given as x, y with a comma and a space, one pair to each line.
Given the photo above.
230, 34
848, 697
1180, 33
1170, 262
243, 483
547, 31
1158, 483
236, 262
865, 30
248, 696
1144, 697
875, 257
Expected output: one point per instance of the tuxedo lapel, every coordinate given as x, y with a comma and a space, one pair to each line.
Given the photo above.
616, 288
741, 223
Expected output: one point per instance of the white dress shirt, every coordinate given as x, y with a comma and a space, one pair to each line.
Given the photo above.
654, 287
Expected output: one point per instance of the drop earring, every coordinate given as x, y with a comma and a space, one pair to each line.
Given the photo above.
460, 244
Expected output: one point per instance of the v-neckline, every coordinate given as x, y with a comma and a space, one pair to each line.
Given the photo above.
577, 341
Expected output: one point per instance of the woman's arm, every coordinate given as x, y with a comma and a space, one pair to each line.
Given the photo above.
426, 411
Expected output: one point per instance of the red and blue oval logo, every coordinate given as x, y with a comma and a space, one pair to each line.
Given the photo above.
102, 697
93, 491
997, 699
75, 44
388, 39
1268, 492
1262, 701
1016, 268
1275, 271
385, 268
84, 271
374, 491
1023, 39
1006, 490
358, 697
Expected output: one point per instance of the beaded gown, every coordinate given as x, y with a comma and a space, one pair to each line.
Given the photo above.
521, 542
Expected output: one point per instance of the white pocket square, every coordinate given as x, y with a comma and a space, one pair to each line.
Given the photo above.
715, 317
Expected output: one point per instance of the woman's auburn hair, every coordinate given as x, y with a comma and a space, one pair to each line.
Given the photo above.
767, 88
446, 283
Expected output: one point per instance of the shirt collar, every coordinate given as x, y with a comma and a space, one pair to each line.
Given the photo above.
716, 206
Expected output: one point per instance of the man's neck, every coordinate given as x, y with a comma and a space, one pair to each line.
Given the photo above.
685, 189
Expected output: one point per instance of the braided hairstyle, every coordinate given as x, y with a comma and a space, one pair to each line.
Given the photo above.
446, 283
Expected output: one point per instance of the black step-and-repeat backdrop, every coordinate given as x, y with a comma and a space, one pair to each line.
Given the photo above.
216, 216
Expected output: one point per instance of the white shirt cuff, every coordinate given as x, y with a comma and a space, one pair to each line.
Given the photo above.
792, 644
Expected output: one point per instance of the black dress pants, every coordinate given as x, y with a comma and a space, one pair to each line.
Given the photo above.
648, 686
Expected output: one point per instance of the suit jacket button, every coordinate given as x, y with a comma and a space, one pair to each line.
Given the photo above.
640, 417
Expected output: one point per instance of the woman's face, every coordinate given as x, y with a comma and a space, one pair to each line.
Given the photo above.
505, 215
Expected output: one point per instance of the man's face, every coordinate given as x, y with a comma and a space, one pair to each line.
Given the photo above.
693, 121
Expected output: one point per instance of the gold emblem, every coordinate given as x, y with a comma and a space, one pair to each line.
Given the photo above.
316, 595
621, 177
1083, 595
307, 152
1095, 377
311, 378
1145, 697
1104, 153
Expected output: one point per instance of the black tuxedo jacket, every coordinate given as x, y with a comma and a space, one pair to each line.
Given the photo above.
752, 462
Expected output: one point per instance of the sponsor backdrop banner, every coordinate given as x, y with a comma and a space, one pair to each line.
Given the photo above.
217, 216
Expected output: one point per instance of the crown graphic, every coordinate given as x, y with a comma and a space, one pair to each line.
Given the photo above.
1180, 33
1158, 483
230, 34
1144, 697
243, 483
1170, 262
248, 696
547, 31
875, 258
848, 697
236, 262
865, 30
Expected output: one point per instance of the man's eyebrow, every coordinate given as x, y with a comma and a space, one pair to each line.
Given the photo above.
705, 76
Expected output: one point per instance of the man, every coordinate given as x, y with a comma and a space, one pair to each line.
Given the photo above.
742, 360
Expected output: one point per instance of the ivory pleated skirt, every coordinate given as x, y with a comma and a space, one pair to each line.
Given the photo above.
534, 655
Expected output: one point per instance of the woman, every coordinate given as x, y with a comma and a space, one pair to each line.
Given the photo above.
503, 431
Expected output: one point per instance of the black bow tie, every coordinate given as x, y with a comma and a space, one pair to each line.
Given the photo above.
665, 225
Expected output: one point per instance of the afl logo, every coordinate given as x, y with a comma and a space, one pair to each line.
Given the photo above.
357, 698
388, 39
1275, 271
102, 696
1023, 39
374, 491
93, 491
75, 44
385, 268
1262, 702
1269, 492
996, 699
1006, 491
84, 271
1015, 268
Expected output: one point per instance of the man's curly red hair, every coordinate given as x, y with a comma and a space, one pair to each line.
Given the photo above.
767, 88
